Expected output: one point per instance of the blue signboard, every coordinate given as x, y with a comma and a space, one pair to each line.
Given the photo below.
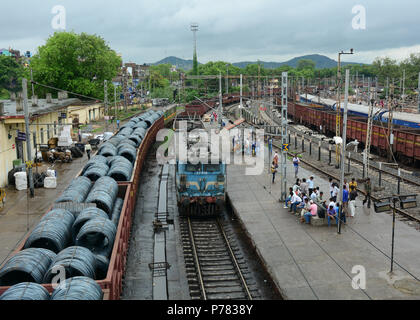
21, 136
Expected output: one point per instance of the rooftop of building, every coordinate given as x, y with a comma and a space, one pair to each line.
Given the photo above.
42, 107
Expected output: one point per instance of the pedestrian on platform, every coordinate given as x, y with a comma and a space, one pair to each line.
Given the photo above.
296, 162
304, 187
311, 184
345, 199
335, 192
331, 182
273, 170
352, 203
88, 149
340, 212
118, 124
368, 190
353, 184
276, 159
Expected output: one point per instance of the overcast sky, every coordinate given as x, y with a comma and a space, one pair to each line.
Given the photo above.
229, 30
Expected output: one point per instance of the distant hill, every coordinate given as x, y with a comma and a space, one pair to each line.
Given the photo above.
321, 62
178, 62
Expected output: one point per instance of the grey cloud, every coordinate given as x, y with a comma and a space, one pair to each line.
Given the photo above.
146, 31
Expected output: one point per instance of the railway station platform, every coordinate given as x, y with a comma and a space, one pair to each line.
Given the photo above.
315, 262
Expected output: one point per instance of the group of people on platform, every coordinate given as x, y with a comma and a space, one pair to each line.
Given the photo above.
307, 201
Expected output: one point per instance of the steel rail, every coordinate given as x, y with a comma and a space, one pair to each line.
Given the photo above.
235, 262
197, 262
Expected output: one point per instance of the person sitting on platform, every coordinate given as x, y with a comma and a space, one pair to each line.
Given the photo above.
313, 211
306, 208
288, 198
295, 201
331, 214
304, 186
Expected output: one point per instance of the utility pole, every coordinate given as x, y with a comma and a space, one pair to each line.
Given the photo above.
32, 83
390, 116
240, 104
28, 136
220, 99
369, 91
284, 134
115, 105
338, 116
357, 86
227, 79
403, 94
106, 104
343, 148
418, 96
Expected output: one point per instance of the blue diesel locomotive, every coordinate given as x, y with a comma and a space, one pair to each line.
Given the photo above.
201, 188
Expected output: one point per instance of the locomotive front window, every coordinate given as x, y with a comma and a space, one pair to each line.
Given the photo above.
211, 168
193, 167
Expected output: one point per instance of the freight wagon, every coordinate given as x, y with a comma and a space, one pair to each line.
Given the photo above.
406, 145
111, 280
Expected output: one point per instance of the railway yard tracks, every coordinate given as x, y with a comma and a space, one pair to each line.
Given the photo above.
215, 265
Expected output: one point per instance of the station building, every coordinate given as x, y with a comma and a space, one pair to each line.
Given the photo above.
46, 119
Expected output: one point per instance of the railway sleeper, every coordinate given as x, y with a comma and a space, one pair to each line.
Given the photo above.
223, 290
231, 296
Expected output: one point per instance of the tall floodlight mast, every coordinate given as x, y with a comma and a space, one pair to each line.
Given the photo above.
194, 29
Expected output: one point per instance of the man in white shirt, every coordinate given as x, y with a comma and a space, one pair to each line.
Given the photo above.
311, 184
335, 192
295, 201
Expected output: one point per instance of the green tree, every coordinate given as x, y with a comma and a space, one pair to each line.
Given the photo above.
305, 64
11, 73
75, 62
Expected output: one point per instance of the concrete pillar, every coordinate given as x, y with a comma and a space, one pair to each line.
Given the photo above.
49, 97
19, 104
12, 96
34, 100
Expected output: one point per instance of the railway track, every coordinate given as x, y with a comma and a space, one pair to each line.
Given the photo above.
216, 268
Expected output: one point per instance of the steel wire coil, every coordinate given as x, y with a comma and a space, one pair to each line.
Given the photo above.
84, 216
53, 232
96, 171
127, 142
116, 160
128, 152
140, 132
94, 160
29, 265
140, 124
77, 191
102, 265
26, 291
116, 212
115, 140
125, 131
78, 288
136, 139
76, 261
107, 150
121, 171
98, 236
103, 193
